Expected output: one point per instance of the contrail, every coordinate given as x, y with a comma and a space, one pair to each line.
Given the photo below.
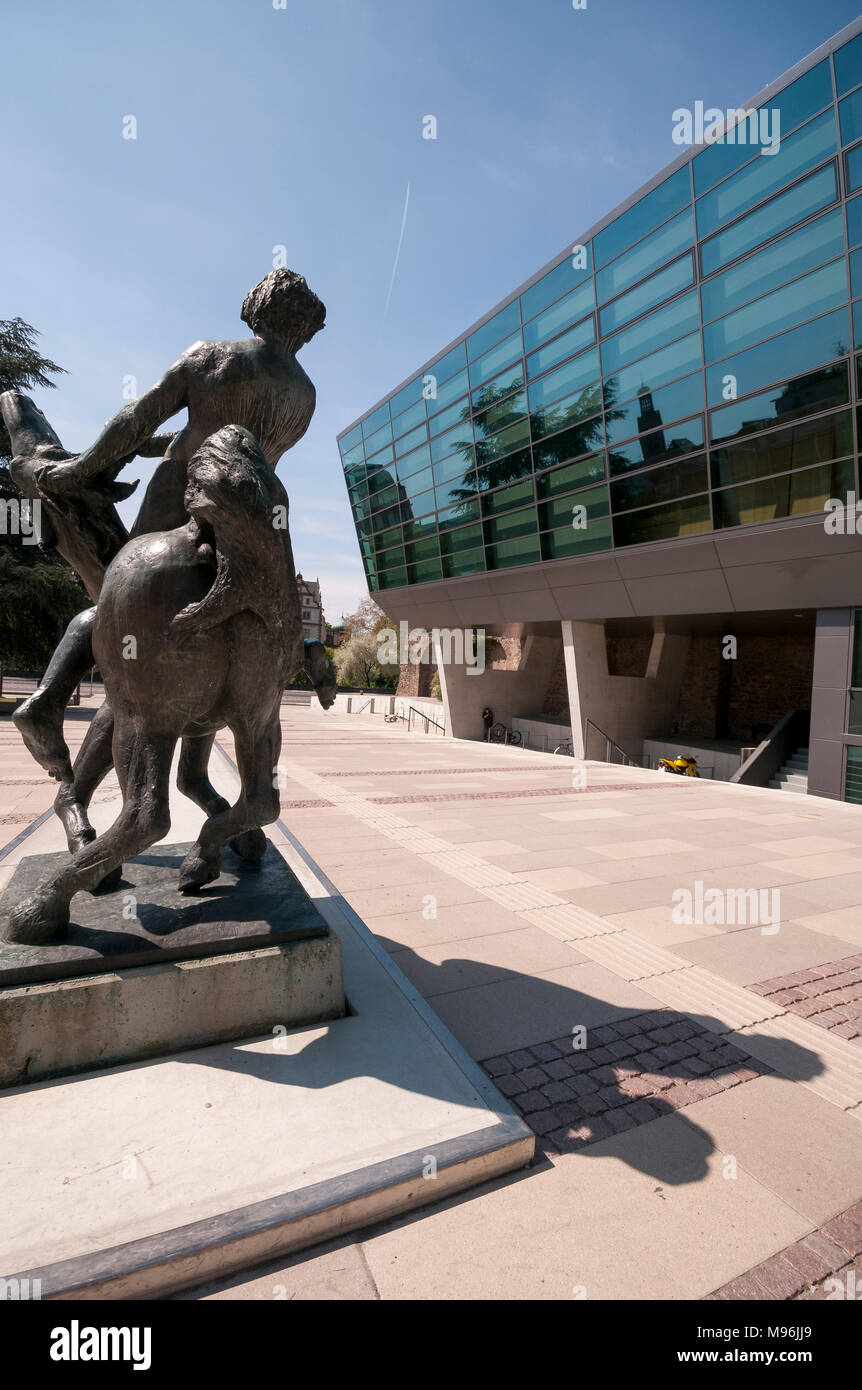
398, 250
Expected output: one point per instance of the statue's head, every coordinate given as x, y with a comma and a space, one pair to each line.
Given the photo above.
282, 306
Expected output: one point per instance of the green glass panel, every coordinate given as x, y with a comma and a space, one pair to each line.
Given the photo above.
854, 221
582, 507
464, 538
458, 440
512, 524
427, 549
657, 446
822, 289
505, 498
425, 572
412, 463
856, 672
786, 356
850, 117
505, 441
814, 143
570, 476
457, 515
556, 545
584, 438
792, 255
456, 414
582, 405
686, 518
512, 379
678, 479
797, 446
500, 415
794, 494
494, 472
524, 551
465, 562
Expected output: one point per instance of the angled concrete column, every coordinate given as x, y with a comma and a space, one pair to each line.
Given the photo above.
510, 689
627, 708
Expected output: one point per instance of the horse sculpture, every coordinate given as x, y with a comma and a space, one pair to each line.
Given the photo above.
193, 633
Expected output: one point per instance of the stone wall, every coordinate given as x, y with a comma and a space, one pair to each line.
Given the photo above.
744, 698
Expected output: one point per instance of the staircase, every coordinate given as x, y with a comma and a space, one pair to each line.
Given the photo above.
793, 776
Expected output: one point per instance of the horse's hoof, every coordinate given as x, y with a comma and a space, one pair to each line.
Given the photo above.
42, 739
251, 844
198, 868
110, 881
35, 922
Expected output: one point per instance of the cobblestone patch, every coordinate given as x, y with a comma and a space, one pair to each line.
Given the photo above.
828, 995
826, 1264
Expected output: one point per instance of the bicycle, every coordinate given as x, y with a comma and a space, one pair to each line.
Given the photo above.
500, 734
566, 748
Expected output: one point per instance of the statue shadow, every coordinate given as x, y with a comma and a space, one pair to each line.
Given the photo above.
331, 1058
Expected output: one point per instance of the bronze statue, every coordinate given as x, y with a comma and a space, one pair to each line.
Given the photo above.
205, 586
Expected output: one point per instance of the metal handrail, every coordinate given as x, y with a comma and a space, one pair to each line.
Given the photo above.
426, 718
610, 744
368, 702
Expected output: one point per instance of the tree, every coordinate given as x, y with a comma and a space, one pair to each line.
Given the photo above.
39, 592
357, 663
367, 618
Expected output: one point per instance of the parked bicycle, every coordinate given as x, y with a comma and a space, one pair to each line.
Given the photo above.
566, 748
499, 733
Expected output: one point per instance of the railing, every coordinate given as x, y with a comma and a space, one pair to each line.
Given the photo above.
780, 743
368, 702
611, 746
426, 719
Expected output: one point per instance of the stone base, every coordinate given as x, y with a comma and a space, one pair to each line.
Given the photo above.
246, 955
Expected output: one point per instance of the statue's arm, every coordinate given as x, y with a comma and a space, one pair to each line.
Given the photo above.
123, 436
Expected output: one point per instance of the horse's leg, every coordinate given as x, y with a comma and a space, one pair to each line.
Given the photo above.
40, 719
257, 753
144, 819
194, 783
94, 761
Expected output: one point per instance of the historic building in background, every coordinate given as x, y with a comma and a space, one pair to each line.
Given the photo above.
626, 467
313, 621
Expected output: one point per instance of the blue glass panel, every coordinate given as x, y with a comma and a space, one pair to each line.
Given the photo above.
420, 458
789, 355
354, 456
500, 415
350, 440
374, 422
457, 515
854, 169
854, 222
647, 334
850, 116
774, 313
848, 65
381, 458
512, 379
857, 324
647, 256
376, 441
856, 273
555, 319
572, 377
809, 146
655, 208
581, 405
407, 396
559, 281
502, 324
446, 366
447, 418
657, 370
494, 360
446, 393
646, 296
797, 103
410, 441
807, 197
809, 246
409, 419
458, 440
460, 489
565, 346
803, 396
653, 408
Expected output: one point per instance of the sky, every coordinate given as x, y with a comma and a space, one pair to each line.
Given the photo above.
298, 124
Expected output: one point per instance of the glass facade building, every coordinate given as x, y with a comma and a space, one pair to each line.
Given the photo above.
689, 367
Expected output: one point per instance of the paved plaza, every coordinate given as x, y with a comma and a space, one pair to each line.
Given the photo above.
689, 1059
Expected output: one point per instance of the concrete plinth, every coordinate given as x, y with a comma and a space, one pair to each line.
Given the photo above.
145, 971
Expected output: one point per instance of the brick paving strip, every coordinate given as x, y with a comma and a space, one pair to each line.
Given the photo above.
437, 771
828, 995
632, 1072
530, 791
807, 1269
